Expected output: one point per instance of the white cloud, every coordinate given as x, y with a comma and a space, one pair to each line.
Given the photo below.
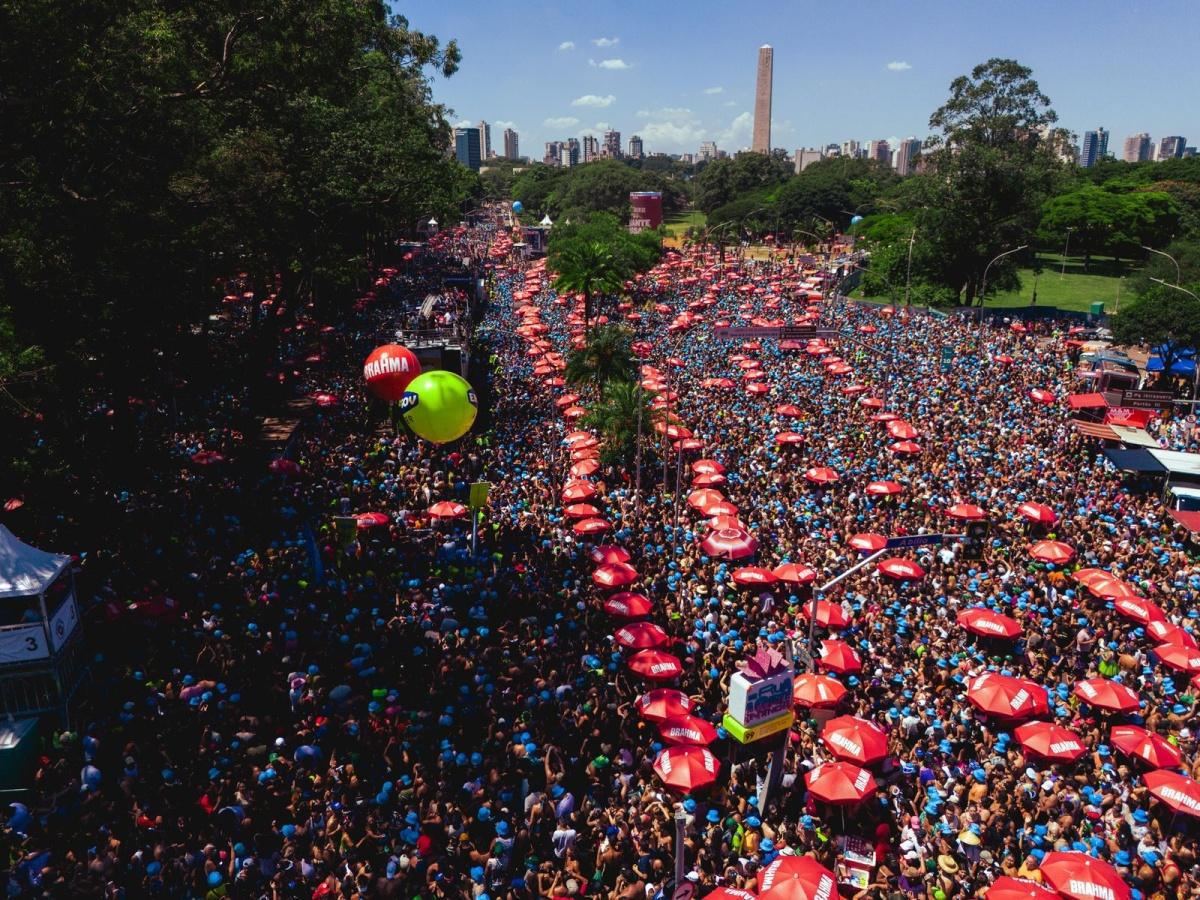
899, 66
601, 127
594, 100
465, 123
665, 112
561, 122
614, 64
671, 128
737, 135
503, 123
606, 42
714, 90
567, 45
729, 103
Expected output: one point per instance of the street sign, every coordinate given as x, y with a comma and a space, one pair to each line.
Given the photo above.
479, 494
913, 540
798, 332
744, 333
947, 357
1147, 399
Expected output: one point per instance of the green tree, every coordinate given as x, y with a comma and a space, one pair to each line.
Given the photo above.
587, 267
1161, 317
606, 356
991, 168
725, 180
1105, 222
615, 419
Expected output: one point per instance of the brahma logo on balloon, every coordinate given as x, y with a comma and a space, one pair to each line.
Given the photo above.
389, 370
439, 406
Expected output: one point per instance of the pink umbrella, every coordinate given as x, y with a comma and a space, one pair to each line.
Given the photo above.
732, 543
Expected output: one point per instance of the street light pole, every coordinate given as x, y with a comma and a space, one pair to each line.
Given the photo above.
1196, 376
908, 273
1178, 277
1066, 249
680, 862
983, 290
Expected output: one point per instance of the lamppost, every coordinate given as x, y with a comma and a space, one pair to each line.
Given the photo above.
1168, 256
908, 272
983, 290
1066, 249
1196, 377
680, 825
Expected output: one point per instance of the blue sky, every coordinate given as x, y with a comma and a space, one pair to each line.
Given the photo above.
681, 72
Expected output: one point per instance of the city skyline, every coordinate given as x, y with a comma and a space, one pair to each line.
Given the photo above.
605, 67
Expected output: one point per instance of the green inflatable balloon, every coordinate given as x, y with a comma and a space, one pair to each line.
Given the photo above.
439, 406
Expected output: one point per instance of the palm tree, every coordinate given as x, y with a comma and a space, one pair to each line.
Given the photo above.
588, 268
607, 356
615, 419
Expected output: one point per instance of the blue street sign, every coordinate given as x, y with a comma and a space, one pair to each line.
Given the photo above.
914, 540
947, 358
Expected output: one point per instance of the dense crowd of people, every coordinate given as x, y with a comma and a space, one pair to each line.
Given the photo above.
313, 713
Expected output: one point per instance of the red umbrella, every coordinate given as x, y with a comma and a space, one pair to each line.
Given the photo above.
757, 387
1179, 792
1182, 659
284, 466
1078, 876
789, 438
686, 768
584, 467
905, 447
821, 475
724, 508
663, 703
686, 729
811, 689
867, 542
1107, 694
1041, 395
716, 523
733, 543
578, 490
1110, 588
608, 553
795, 573
612, 575
753, 576
986, 623
1008, 888
1150, 748
1038, 512
838, 656
580, 511
968, 512
901, 430
627, 605
1166, 633
640, 636
656, 665
790, 411
855, 739
704, 498
1049, 741
447, 509
1052, 552
884, 488
730, 893
795, 878
1138, 609
590, 526
871, 402
206, 458
900, 569
840, 782
708, 467
1007, 697
829, 615
372, 519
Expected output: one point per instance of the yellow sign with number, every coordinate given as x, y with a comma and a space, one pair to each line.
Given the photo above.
744, 735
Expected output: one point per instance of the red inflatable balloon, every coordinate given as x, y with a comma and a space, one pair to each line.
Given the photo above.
389, 369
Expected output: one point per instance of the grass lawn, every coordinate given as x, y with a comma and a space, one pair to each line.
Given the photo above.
1076, 290
678, 224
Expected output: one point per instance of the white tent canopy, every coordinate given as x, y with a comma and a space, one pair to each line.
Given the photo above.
546, 220
26, 570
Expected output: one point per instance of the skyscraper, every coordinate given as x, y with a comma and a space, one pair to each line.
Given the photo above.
762, 100
906, 155
553, 155
880, 151
569, 156
635, 147
708, 150
612, 144
1137, 147
1094, 147
805, 157
851, 149
510, 144
467, 148
1171, 147
591, 148
485, 139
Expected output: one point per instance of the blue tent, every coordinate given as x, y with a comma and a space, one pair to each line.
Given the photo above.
1179, 367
